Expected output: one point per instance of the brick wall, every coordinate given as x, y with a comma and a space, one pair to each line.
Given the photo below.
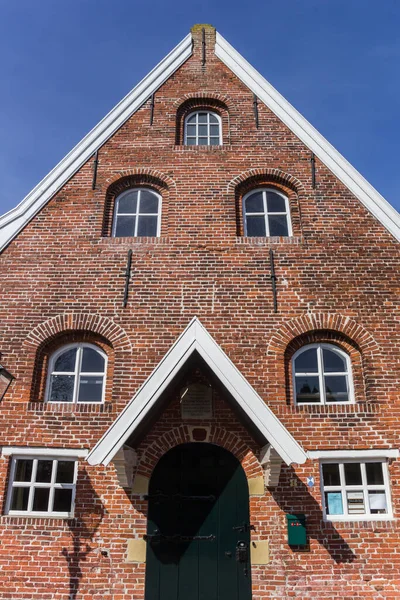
62, 279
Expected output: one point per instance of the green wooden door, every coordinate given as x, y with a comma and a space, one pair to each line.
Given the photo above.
198, 517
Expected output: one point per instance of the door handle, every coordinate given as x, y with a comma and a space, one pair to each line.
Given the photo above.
228, 554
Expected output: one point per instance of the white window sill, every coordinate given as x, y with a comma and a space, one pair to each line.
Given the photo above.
358, 518
36, 515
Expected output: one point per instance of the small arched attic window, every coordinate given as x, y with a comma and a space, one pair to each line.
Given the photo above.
77, 374
322, 375
266, 213
203, 128
137, 213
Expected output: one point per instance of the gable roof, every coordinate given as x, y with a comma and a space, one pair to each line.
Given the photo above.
15, 220
195, 338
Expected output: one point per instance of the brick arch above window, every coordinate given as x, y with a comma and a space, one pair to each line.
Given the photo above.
137, 178
345, 332
273, 179
182, 435
69, 322
202, 102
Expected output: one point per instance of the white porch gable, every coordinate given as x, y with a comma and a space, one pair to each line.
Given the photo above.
195, 338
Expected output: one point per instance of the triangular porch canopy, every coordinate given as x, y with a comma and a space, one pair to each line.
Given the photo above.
196, 339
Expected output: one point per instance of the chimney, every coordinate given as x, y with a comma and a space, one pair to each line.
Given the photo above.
203, 42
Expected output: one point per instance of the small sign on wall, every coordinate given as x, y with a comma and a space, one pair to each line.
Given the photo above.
196, 402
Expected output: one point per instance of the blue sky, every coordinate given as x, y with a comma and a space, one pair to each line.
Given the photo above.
66, 63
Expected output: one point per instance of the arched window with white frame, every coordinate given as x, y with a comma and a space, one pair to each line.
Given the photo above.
203, 128
266, 213
77, 374
322, 375
137, 213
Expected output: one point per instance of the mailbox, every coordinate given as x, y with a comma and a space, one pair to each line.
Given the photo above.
297, 532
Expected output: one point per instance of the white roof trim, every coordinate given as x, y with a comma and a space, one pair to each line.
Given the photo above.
196, 338
339, 166
14, 220
357, 454
44, 451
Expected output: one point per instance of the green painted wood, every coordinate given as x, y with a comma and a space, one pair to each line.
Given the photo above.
204, 493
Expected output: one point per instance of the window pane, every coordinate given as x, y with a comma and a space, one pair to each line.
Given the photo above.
203, 130
255, 226
128, 203
203, 141
202, 117
62, 388
275, 203
191, 141
214, 130
92, 361
90, 389
374, 473
125, 227
62, 500
333, 362
147, 226
352, 474
44, 469
148, 202
23, 470
331, 474
66, 361
65, 471
214, 141
213, 119
336, 388
307, 362
254, 203
41, 499
377, 502
191, 130
333, 503
355, 503
307, 389
278, 225
191, 119
19, 499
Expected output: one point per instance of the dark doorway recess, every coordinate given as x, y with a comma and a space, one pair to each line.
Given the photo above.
198, 539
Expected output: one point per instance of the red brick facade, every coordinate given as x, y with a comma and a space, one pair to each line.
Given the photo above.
63, 280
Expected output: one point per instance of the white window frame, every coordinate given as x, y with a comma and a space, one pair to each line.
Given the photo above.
76, 372
52, 485
208, 112
364, 487
265, 212
321, 374
137, 214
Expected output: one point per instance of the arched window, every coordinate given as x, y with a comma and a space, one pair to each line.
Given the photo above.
77, 374
322, 375
203, 128
137, 213
266, 213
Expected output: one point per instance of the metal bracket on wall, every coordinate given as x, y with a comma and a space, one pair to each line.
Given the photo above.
312, 160
273, 279
255, 109
95, 165
127, 276
151, 109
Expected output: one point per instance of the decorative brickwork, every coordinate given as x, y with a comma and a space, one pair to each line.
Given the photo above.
337, 281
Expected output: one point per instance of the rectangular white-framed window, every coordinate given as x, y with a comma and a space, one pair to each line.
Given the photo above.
355, 490
42, 486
